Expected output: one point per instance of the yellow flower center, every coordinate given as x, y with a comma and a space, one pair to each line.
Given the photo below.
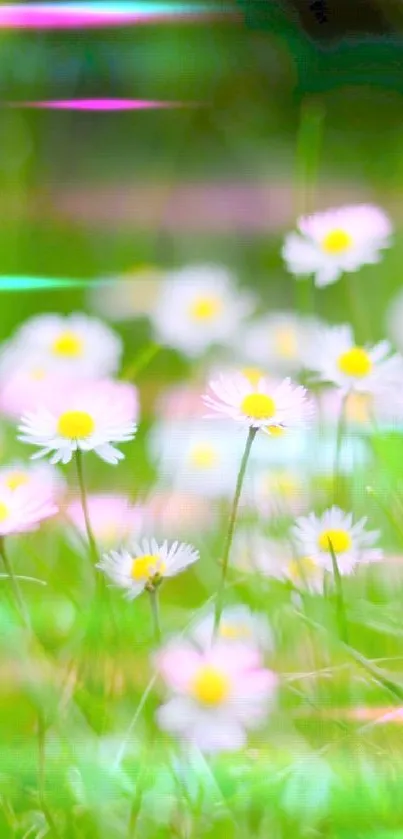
337, 241
286, 342
68, 344
355, 362
252, 374
340, 541
258, 406
146, 567
276, 430
203, 456
301, 568
205, 308
4, 511
75, 424
233, 631
16, 479
210, 686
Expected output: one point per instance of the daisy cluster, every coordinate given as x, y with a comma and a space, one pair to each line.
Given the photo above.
277, 408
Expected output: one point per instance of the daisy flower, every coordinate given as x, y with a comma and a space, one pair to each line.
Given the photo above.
197, 307
351, 543
114, 520
146, 564
279, 340
22, 509
72, 345
87, 417
197, 456
42, 478
217, 694
274, 558
277, 492
28, 385
237, 624
272, 408
128, 296
337, 359
331, 242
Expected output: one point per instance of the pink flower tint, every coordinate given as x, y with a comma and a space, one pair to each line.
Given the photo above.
175, 513
114, 520
73, 15
23, 390
23, 509
42, 479
217, 693
181, 402
364, 221
100, 105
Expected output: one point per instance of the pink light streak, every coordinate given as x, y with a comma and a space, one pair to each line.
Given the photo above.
101, 105
85, 15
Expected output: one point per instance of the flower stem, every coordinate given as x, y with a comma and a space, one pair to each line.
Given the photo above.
341, 609
84, 504
19, 602
341, 427
154, 603
231, 528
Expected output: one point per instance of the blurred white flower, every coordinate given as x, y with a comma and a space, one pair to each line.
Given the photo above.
197, 456
127, 296
217, 693
351, 543
197, 307
144, 565
39, 477
22, 509
331, 242
70, 345
279, 341
114, 519
237, 624
254, 553
337, 359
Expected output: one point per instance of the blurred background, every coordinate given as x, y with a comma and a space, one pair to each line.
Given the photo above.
286, 107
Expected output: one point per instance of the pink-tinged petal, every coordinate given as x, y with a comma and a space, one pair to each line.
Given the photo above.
327, 275
219, 733
178, 664
234, 659
176, 715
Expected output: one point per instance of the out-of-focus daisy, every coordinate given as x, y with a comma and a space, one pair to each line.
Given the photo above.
280, 341
73, 345
127, 296
237, 624
277, 492
197, 456
180, 402
197, 307
272, 408
22, 509
114, 520
361, 409
217, 694
274, 558
331, 242
352, 544
42, 478
28, 385
176, 513
337, 358
146, 564
89, 418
